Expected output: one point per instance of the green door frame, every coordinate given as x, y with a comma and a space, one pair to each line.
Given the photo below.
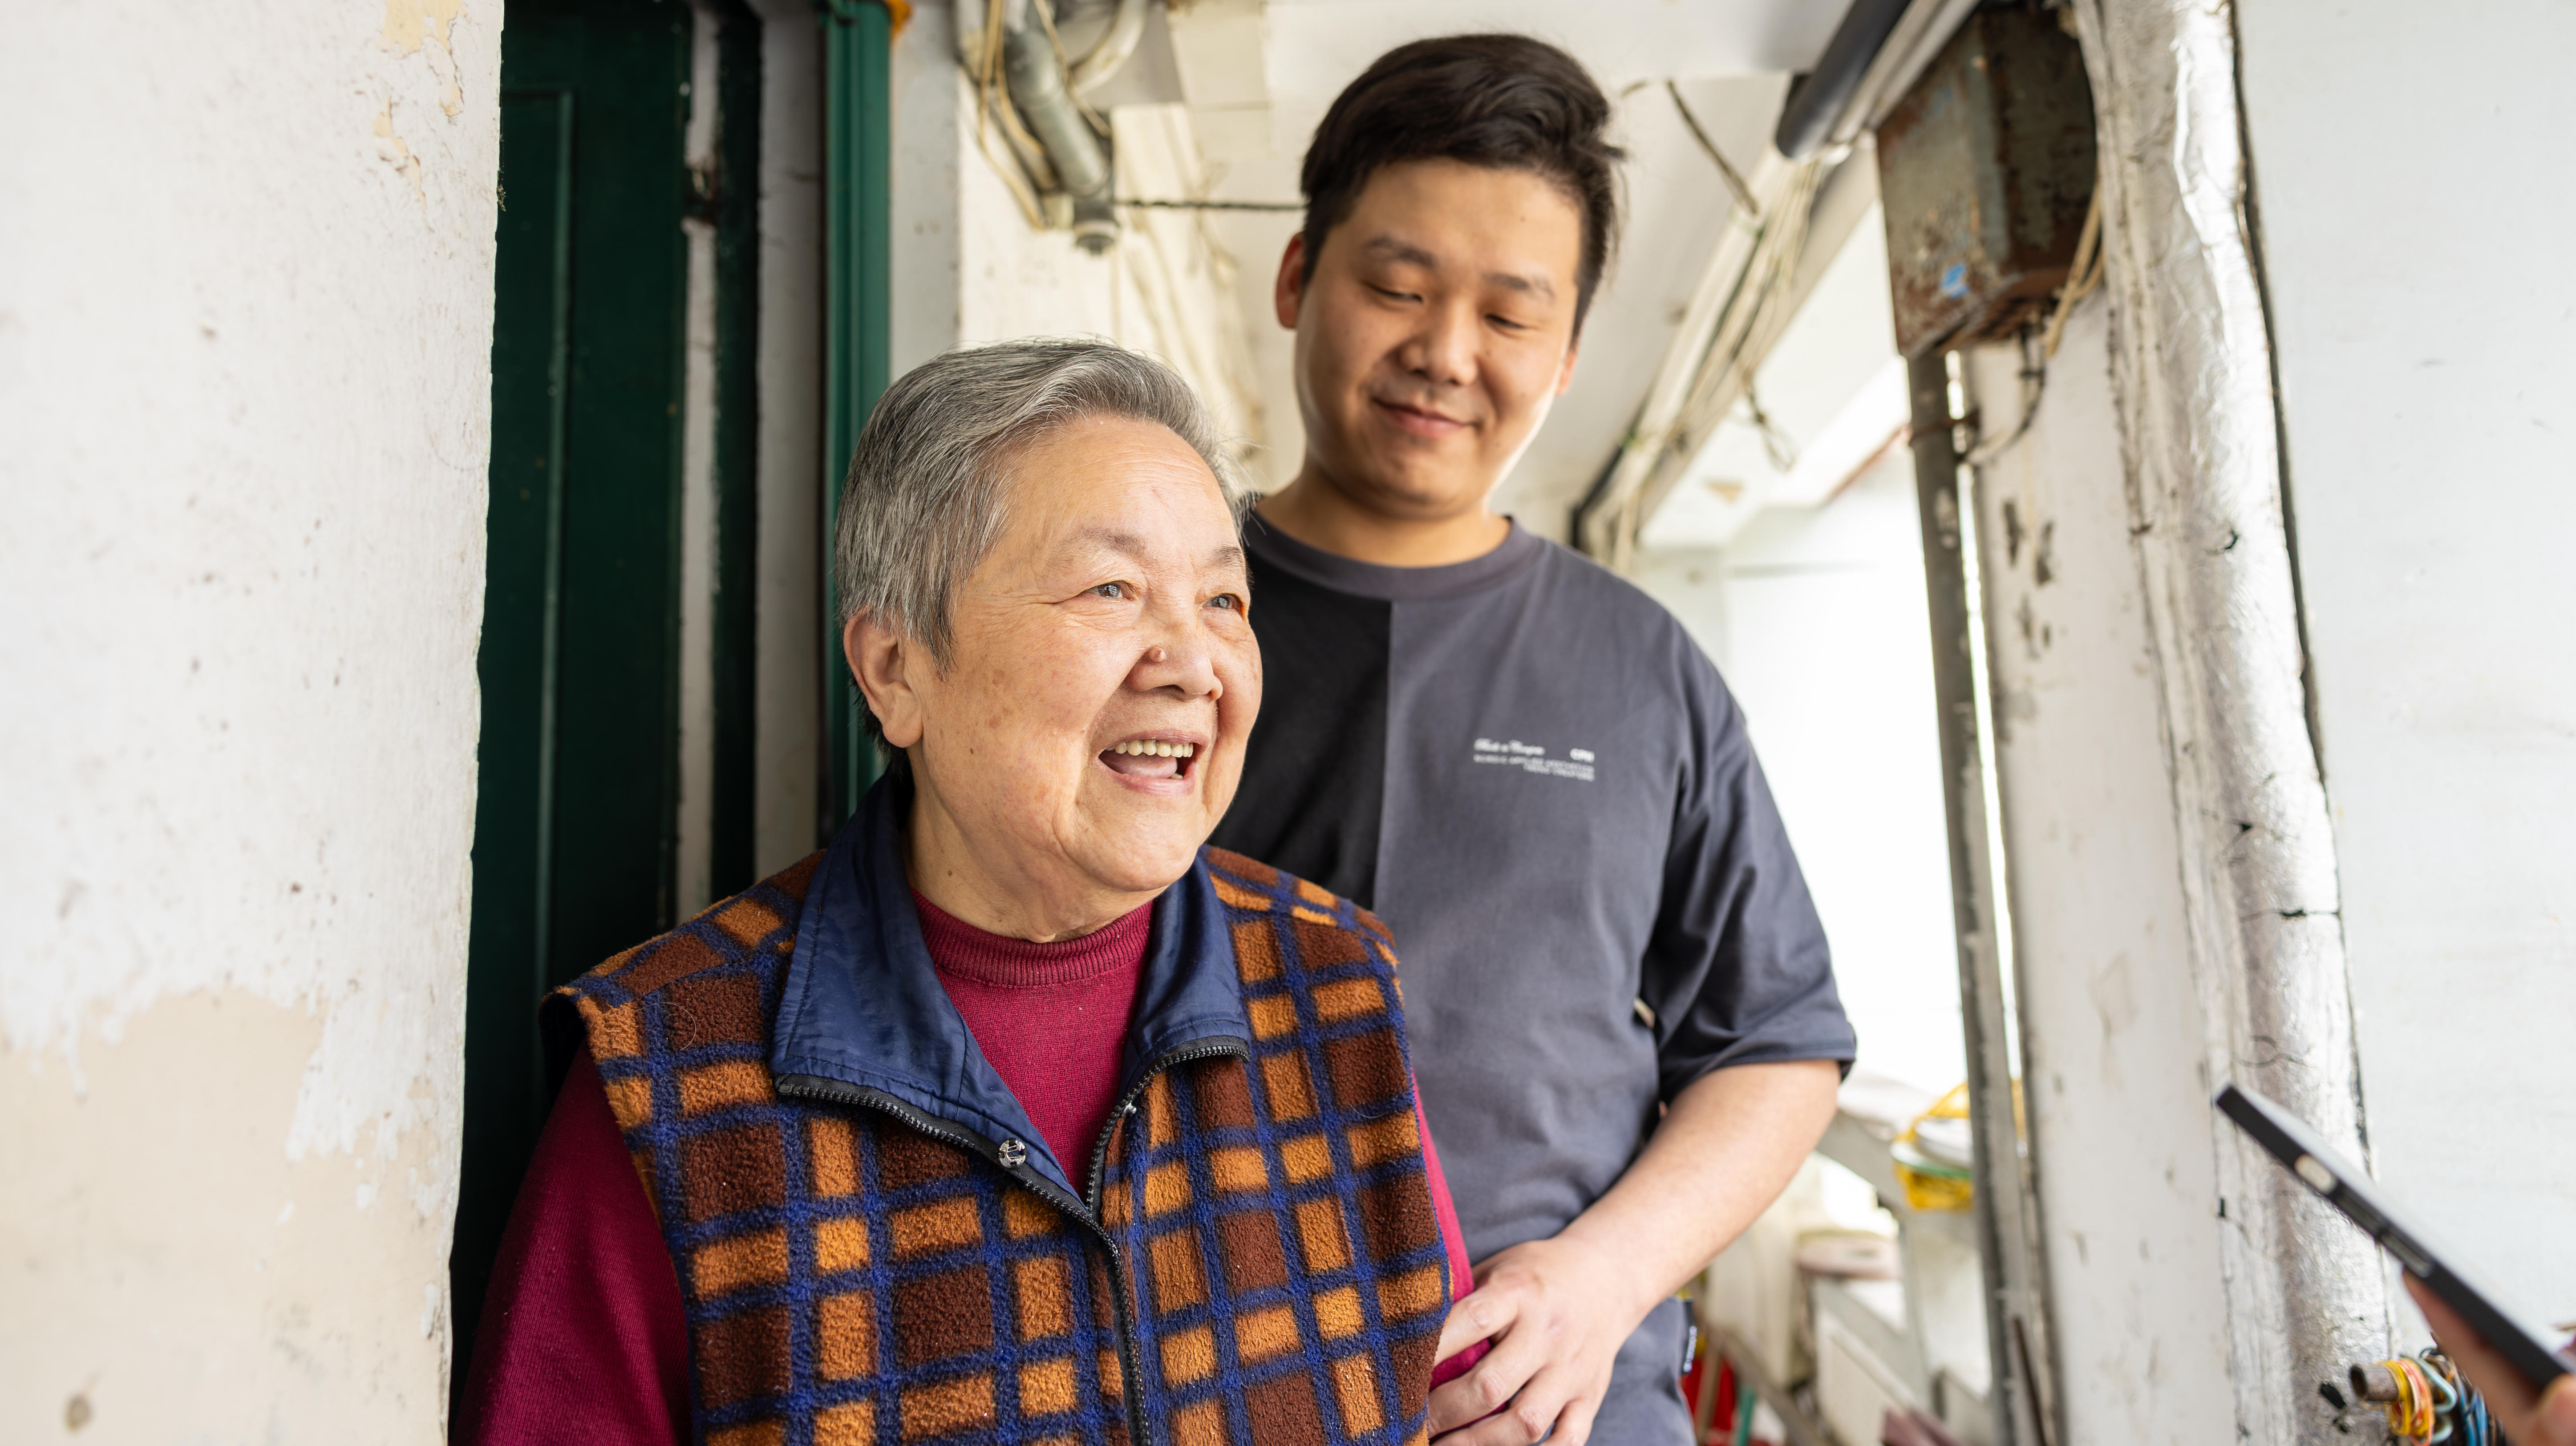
575, 852
574, 839
858, 41
732, 206
541, 917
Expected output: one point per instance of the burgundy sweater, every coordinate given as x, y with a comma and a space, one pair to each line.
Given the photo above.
583, 1340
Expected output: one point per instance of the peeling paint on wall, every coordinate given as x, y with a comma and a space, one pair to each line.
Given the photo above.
2115, 1063
391, 149
244, 371
406, 22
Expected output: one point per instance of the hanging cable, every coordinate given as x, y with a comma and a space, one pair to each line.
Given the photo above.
2082, 275
990, 102
1734, 179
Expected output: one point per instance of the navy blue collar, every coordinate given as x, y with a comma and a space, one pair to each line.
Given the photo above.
864, 1007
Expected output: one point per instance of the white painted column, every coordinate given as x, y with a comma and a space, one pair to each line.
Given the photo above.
245, 329
787, 582
2115, 1070
2192, 389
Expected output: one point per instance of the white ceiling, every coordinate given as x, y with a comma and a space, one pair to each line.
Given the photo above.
1730, 60
1832, 389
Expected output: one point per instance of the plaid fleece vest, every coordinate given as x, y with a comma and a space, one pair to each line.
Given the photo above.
1259, 1263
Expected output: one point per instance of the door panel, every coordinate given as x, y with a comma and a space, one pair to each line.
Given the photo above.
573, 843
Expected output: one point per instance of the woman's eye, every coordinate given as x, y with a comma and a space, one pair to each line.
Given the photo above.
1110, 590
1227, 601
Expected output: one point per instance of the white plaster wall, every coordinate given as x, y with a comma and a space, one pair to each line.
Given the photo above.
1816, 617
1826, 647
786, 586
2114, 1070
967, 265
245, 310
697, 744
1014, 280
934, 139
969, 268
2415, 246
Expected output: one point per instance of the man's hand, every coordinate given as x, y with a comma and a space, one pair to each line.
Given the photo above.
2546, 1420
1561, 1312
1558, 1310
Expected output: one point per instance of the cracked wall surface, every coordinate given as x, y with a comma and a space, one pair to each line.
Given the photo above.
2116, 1070
245, 320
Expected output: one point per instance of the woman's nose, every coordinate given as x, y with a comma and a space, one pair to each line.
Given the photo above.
1180, 659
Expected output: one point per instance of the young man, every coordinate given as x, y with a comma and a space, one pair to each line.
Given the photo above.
1622, 1010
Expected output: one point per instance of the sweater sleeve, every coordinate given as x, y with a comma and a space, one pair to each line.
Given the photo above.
583, 1341
1462, 1279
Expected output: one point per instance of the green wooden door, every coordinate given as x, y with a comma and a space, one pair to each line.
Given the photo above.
574, 853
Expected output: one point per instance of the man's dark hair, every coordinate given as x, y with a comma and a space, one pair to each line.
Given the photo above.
1505, 102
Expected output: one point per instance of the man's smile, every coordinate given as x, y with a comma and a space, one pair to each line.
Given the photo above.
1419, 420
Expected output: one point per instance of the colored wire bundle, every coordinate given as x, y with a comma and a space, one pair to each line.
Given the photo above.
2433, 1403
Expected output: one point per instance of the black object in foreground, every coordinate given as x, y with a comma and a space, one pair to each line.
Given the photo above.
2347, 1189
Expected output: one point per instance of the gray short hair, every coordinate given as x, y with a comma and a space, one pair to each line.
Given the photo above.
923, 503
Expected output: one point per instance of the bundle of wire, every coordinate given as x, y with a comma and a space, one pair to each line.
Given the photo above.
2435, 1404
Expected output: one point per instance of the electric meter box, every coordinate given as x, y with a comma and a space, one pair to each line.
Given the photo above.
1985, 170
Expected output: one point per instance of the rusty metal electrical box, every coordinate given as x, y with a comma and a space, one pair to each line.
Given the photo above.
1985, 169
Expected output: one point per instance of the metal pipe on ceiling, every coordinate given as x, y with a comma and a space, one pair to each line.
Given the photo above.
1818, 99
1110, 55
1034, 70
1881, 48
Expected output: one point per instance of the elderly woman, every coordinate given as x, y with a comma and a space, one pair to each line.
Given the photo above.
1017, 1113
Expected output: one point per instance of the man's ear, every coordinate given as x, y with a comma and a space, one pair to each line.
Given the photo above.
881, 658
1565, 365
1288, 293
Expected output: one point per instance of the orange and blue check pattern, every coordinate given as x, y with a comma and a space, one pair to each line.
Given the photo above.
850, 1280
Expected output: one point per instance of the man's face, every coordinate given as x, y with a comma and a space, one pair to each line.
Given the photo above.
1436, 332
1088, 728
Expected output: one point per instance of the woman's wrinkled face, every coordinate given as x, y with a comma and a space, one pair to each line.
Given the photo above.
1087, 729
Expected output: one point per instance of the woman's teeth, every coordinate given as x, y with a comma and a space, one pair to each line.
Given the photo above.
1148, 748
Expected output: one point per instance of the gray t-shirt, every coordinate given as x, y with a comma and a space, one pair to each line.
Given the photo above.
1525, 766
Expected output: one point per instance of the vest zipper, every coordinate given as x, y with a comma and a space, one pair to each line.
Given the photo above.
1186, 1054
1099, 1160
806, 1086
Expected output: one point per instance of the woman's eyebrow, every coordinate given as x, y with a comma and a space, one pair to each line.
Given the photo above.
1133, 546
1104, 539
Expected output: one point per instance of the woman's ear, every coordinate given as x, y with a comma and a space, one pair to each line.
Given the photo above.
881, 658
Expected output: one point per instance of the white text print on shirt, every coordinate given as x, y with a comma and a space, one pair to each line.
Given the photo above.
1530, 758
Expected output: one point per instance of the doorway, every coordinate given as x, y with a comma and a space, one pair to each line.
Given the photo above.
618, 602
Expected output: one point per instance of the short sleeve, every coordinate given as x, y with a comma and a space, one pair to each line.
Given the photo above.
1737, 970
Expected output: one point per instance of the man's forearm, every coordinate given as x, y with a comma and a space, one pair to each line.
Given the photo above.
1558, 1309
1723, 1152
